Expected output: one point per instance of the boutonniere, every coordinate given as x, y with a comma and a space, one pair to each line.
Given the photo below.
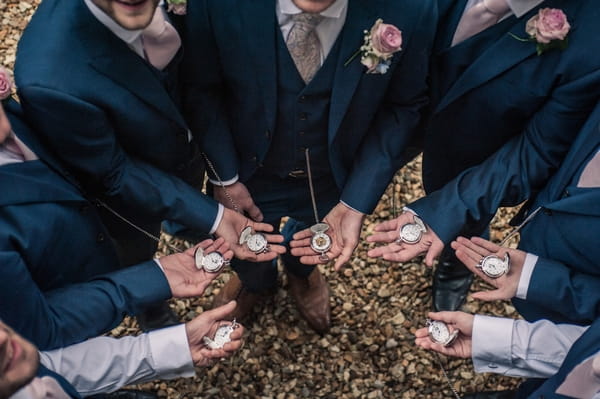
548, 29
6, 84
381, 42
178, 7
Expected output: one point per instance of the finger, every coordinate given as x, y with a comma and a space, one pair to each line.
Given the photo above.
301, 242
232, 346
488, 245
446, 317
488, 296
388, 225
314, 259
215, 245
220, 313
306, 233
254, 212
385, 249
274, 238
302, 251
433, 252
422, 333
387, 236
469, 257
228, 255
474, 248
264, 227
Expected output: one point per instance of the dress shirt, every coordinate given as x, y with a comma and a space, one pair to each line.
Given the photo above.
518, 8
106, 364
41, 388
519, 348
327, 31
7, 156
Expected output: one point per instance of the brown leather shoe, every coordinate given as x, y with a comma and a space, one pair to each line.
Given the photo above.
234, 289
312, 299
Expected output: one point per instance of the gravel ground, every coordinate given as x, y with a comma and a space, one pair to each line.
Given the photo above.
376, 306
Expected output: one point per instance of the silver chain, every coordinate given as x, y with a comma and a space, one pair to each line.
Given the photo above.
310, 185
519, 227
135, 226
225, 190
439, 362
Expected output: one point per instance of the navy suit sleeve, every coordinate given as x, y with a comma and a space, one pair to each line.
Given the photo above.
92, 150
381, 151
202, 86
561, 289
521, 166
75, 312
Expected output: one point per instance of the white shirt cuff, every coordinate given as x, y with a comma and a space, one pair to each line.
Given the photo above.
170, 351
229, 182
407, 209
491, 344
528, 266
157, 261
220, 211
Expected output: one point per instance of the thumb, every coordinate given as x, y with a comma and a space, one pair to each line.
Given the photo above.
487, 296
435, 249
222, 312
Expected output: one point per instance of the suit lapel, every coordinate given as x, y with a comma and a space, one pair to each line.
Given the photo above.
111, 57
259, 21
361, 16
500, 56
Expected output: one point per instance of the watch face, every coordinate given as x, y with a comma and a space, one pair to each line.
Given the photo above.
257, 242
199, 258
494, 266
245, 234
439, 333
213, 262
411, 233
222, 336
320, 242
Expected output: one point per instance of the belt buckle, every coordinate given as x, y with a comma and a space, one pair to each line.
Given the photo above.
297, 174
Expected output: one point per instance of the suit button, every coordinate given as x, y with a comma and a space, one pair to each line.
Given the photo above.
100, 237
565, 193
548, 211
84, 208
267, 134
302, 99
303, 116
301, 133
254, 159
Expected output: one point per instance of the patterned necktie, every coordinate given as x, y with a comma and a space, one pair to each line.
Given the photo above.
304, 46
480, 17
161, 41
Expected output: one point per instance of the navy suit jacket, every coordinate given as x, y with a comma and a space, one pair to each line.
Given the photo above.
587, 345
493, 87
565, 285
230, 69
52, 242
103, 111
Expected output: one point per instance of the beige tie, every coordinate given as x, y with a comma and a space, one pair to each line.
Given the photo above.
590, 177
161, 40
303, 44
480, 17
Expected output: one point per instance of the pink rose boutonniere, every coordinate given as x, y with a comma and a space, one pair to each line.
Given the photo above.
548, 29
381, 42
178, 7
5, 84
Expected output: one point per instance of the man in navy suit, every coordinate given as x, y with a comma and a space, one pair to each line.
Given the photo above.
268, 112
489, 88
98, 81
60, 280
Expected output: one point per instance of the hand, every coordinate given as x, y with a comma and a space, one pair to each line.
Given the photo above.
241, 197
232, 225
344, 229
462, 346
185, 280
470, 252
389, 232
206, 325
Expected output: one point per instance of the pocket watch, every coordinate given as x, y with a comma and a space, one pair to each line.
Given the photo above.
411, 233
320, 241
256, 242
493, 266
439, 332
211, 262
222, 336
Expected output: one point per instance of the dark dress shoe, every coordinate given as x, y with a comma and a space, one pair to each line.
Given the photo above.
234, 290
312, 299
157, 316
451, 283
491, 395
124, 394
